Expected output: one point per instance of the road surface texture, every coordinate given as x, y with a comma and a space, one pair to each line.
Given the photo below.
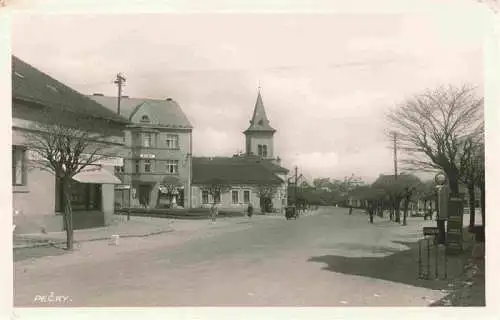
327, 259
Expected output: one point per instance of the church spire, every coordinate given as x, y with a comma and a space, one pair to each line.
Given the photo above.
259, 120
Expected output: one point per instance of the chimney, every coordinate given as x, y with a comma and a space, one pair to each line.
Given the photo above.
124, 97
98, 94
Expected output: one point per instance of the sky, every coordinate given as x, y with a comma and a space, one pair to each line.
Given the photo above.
326, 79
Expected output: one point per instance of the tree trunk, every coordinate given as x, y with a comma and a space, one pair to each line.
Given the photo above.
397, 204
453, 182
68, 212
405, 213
472, 205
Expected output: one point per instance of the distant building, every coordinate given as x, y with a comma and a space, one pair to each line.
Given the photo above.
157, 168
248, 175
37, 194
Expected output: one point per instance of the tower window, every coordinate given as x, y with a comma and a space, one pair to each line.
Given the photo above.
262, 150
261, 122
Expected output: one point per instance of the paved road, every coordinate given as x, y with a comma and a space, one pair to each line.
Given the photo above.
266, 262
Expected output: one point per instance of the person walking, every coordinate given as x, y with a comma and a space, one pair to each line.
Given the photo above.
250, 210
370, 212
214, 211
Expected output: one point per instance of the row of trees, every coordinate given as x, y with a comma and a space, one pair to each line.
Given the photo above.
443, 130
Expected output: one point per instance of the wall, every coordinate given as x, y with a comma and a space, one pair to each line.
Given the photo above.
255, 138
227, 203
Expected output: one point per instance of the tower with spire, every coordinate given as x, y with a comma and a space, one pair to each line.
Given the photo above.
259, 137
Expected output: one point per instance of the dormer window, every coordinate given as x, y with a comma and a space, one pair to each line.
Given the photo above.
145, 118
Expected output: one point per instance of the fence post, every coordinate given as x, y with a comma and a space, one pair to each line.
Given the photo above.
436, 249
428, 258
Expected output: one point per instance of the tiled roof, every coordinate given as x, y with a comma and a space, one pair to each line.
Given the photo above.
259, 122
31, 84
165, 113
232, 170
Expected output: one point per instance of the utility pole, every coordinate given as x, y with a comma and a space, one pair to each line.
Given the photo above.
120, 82
296, 180
395, 157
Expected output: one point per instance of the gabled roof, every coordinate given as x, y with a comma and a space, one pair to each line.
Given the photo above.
232, 170
259, 122
32, 85
164, 113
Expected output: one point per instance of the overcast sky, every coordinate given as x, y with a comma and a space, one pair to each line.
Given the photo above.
326, 79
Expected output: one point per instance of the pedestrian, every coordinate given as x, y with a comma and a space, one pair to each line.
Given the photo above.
370, 212
250, 210
350, 210
214, 211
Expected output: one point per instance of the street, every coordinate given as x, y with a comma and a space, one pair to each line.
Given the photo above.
327, 259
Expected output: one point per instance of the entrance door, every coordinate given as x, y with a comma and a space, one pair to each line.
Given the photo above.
145, 194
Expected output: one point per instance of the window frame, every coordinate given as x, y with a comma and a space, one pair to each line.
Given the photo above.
174, 138
205, 197
233, 193
23, 159
148, 163
173, 164
217, 198
246, 192
148, 136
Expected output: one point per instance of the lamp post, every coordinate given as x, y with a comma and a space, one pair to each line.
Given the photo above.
442, 204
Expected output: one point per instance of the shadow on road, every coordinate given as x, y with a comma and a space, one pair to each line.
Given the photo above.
401, 267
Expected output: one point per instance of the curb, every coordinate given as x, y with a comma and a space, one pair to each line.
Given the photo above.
55, 243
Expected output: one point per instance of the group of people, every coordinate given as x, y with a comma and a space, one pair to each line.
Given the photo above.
214, 212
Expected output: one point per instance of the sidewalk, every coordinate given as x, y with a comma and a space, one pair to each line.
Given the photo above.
136, 227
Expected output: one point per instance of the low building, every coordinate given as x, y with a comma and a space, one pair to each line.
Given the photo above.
37, 195
157, 164
246, 180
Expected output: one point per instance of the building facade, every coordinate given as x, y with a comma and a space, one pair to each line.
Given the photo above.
255, 177
38, 99
157, 162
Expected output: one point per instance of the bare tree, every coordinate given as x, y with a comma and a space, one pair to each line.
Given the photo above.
266, 192
430, 126
216, 188
64, 144
471, 169
398, 190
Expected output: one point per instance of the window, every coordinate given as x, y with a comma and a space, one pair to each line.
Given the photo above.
204, 197
235, 196
137, 166
264, 151
259, 150
119, 169
144, 118
172, 141
217, 197
147, 140
246, 196
147, 165
18, 166
173, 166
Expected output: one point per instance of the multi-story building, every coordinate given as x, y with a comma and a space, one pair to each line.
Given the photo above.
157, 164
246, 175
37, 194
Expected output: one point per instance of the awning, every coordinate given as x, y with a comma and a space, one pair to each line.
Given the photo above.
96, 174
